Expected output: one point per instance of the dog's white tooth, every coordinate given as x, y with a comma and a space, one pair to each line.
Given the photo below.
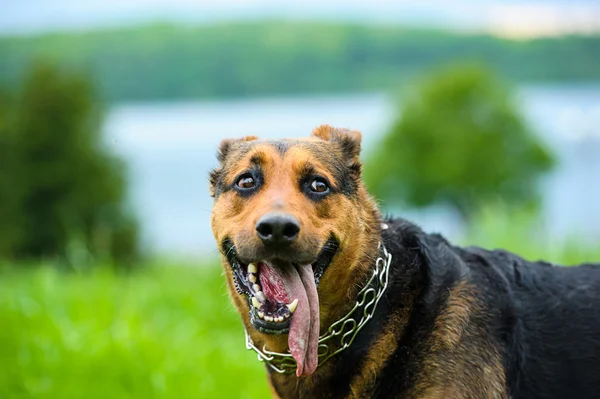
256, 287
292, 306
280, 319
261, 315
255, 302
268, 318
252, 268
252, 277
261, 296
286, 316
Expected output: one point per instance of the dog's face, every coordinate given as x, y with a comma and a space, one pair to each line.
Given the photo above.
291, 218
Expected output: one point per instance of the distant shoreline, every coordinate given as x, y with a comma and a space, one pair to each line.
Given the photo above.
279, 58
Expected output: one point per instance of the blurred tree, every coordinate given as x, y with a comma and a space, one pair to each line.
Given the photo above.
62, 190
10, 194
459, 141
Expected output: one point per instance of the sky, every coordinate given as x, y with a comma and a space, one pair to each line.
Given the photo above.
508, 17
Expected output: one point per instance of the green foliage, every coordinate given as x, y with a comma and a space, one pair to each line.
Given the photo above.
63, 191
158, 333
524, 233
459, 141
270, 57
10, 194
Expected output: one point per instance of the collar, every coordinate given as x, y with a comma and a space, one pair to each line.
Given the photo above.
341, 333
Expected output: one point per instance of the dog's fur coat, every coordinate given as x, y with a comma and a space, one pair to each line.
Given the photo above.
453, 323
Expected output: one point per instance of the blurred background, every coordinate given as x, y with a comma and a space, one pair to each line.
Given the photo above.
481, 120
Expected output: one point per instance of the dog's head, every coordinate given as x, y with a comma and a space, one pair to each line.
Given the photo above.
293, 222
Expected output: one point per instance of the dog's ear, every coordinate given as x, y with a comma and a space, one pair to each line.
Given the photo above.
227, 144
348, 140
222, 153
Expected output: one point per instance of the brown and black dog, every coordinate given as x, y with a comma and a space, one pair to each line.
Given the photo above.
300, 239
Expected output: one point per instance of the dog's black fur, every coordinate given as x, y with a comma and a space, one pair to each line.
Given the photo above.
543, 319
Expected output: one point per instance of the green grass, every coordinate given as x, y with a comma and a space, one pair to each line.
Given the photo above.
165, 332
526, 235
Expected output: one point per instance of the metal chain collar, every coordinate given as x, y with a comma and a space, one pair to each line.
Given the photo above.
345, 329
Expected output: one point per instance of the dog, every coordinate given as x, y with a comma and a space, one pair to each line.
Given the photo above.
340, 302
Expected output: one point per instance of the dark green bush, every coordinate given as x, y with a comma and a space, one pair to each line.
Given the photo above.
460, 141
62, 193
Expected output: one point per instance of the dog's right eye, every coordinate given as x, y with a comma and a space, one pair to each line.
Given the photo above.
246, 182
319, 186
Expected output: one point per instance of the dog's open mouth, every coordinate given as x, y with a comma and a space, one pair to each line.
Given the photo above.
282, 298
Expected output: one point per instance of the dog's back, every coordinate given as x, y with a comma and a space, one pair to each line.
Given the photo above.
556, 332
490, 324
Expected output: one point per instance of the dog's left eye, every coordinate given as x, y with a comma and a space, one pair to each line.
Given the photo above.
246, 182
319, 186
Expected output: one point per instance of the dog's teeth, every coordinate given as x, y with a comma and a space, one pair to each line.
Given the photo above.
252, 268
256, 287
280, 319
287, 315
292, 306
268, 318
252, 277
261, 315
255, 302
261, 296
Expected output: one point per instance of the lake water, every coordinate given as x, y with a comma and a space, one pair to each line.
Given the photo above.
171, 148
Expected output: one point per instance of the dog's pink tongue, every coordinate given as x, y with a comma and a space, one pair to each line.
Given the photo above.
303, 338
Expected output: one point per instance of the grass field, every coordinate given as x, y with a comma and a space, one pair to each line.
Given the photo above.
163, 332
166, 332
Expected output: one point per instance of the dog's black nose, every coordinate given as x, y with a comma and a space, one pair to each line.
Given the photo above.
277, 229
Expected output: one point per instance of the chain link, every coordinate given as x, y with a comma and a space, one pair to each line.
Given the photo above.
345, 328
